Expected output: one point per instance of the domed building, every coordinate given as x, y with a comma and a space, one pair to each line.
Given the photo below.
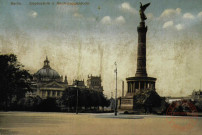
46, 73
49, 83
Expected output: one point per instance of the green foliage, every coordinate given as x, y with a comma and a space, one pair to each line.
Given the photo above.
48, 105
14, 80
36, 104
86, 98
149, 98
198, 104
27, 104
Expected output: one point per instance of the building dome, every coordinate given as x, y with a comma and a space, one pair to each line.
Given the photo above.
47, 73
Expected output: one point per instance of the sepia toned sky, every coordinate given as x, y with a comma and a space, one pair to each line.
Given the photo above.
88, 39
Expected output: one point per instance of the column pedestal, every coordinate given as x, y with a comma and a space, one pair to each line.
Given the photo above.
127, 101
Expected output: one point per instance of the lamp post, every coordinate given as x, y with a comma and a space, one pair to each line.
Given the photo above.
115, 110
68, 101
77, 101
77, 98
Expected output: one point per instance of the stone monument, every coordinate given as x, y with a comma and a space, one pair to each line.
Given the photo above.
140, 81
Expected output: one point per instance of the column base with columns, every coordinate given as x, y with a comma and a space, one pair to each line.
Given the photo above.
135, 84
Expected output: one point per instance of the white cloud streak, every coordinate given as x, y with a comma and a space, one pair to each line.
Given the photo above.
168, 24
33, 14
188, 16
150, 16
170, 12
106, 20
120, 20
126, 7
199, 14
179, 27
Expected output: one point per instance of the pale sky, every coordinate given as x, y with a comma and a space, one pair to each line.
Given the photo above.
85, 39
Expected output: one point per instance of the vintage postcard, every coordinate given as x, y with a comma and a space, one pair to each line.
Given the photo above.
100, 67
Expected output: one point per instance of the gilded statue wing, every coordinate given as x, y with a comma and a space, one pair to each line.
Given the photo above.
145, 6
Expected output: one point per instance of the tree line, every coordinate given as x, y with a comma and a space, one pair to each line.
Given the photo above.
86, 99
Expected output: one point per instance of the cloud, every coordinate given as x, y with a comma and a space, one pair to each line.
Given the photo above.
179, 27
33, 14
126, 7
199, 14
106, 20
168, 24
170, 12
120, 20
188, 16
150, 16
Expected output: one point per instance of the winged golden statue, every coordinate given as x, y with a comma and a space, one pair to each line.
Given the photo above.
142, 9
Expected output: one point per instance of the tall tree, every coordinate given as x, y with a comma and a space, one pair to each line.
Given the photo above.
14, 80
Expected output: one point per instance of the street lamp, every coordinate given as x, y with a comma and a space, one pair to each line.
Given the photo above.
115, 110
68, 101
77, 98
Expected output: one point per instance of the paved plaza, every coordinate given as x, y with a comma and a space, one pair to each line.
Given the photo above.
37, 123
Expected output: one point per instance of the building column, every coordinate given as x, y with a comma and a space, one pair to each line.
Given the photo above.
151, 85
145, 85
56, 93
139, 85
51, 93
128, 86
133, 87
46, 95
40, 92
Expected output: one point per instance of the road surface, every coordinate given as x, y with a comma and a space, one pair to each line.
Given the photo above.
37, 123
